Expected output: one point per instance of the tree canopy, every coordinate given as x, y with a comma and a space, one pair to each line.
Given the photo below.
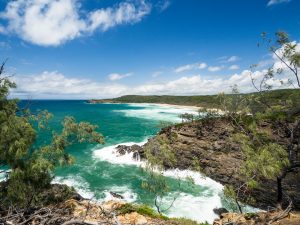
30, 167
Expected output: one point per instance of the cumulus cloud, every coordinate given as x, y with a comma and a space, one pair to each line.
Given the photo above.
233, 59
157, 74
229, 59
234, 67
117, 76
56, 85
53, 22
275, 2
189, 67
125, 13
214, 68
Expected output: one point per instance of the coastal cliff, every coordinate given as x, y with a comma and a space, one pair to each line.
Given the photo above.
209, 144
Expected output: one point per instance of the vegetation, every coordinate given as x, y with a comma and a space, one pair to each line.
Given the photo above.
155, 183
256, 117
266, 158
207, 101
141, 209
146, 211
31, 168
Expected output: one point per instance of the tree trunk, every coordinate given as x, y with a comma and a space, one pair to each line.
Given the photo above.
239, 206
279, 193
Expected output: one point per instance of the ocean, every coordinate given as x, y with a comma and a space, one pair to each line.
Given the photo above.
98, 170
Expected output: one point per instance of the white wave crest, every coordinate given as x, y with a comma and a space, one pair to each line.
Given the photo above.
111, 155
157, 112
199, 208
127, 194
78, 183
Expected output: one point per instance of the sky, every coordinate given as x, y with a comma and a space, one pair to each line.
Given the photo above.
81, 49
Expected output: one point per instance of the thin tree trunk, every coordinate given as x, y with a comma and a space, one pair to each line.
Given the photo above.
279, 193
238, 205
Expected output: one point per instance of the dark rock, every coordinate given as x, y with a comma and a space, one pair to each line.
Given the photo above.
138, 151
220, 211
116, 195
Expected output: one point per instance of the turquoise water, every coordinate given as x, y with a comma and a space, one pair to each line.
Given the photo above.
98, 170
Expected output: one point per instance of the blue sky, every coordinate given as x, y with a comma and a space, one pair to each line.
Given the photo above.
106, 48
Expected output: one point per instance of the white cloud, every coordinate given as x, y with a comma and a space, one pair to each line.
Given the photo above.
125, 13
233, 59
163, 5
157, 73
51, 23
54, 85
117, 76
2, 30
202, 66
214, 68
275, 2
234, 67
190, 67
229, 59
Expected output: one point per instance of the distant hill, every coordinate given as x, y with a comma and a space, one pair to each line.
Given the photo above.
209, 101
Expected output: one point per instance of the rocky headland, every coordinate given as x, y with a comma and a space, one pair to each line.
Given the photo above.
209, 144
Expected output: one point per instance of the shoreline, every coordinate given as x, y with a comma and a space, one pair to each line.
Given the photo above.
189, 107
196, 108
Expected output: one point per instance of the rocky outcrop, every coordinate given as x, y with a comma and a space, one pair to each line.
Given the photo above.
63, 211
209, 144
138, 151
260, 218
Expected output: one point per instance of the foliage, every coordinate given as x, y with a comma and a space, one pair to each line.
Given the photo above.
207, 114
141, 209
188, 221
187, 117
158, 155
31, 167
205, 101
147, 211
264, 157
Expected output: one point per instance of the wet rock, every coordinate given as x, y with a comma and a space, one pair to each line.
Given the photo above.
138, 151
116, 195
220, 211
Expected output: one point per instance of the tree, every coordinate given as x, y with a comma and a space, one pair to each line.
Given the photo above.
31, 168
157, 154
187, 117
266, 157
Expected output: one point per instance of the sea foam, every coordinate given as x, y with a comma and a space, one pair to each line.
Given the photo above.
78, 183
111, 155
156, 112
127, 194
199, 208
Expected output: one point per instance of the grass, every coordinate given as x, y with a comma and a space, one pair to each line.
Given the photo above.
141, 209
147, 211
